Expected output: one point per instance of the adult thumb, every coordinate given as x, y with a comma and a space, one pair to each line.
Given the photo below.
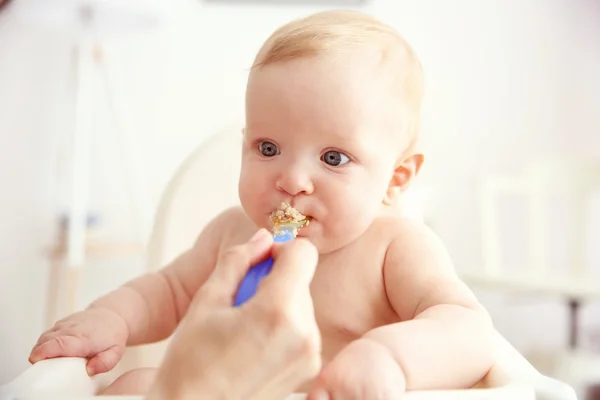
294, 266
233, 264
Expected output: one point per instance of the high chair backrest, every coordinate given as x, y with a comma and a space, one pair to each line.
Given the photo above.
204, 185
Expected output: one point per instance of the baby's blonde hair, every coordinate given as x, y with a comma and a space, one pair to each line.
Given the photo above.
331, 32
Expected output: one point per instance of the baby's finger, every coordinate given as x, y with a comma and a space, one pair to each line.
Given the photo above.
61, 346
45, 338
294, 267
105, 361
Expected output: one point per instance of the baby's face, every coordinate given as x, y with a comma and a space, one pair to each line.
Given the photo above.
318, 137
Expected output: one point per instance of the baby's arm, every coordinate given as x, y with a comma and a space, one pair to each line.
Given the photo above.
445, 339
153, 305
144, 310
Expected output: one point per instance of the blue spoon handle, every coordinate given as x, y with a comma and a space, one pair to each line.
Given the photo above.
251, 280
256, 274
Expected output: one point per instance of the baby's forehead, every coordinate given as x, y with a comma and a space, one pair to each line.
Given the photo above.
362, 63
334, 107
346, 82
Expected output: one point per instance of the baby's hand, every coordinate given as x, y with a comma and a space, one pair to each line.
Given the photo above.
362, 370
97, 334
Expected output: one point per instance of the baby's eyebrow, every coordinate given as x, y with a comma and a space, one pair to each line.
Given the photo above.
341, 137
337, 134
258, 124
259, 130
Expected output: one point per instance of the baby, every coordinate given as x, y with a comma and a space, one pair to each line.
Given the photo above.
332, 124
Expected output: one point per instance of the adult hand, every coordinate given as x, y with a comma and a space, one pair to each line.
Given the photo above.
264, 349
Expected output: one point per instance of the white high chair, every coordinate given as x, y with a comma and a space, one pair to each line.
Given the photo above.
189, 202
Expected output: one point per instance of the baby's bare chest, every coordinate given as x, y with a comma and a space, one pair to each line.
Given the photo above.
348, 288
349, 297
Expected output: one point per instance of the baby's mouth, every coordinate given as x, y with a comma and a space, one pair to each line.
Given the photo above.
286, 215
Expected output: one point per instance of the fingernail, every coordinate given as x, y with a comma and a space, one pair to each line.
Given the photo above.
260, 235
90, 370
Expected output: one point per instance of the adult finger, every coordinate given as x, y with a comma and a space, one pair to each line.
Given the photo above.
233, 265
294, 267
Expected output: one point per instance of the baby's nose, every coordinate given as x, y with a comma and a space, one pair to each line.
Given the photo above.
295, 182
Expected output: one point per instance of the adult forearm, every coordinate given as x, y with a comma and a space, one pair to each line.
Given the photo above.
446, 346
149, 305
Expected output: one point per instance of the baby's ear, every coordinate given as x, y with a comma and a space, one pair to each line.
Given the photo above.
405, 171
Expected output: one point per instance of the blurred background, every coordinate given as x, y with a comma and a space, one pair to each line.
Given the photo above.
511, 114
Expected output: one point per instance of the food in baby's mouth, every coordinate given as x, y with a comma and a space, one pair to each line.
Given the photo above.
285, 214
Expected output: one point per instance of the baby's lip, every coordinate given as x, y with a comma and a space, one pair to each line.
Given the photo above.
292, 206
302, 213
304, 230
306, 221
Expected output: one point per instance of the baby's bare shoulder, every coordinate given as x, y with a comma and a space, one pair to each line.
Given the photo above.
408, 233
409, 238
382, 236
232, 226
190, 270
417, 262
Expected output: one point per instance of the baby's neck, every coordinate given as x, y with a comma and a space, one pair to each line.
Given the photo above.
397, 208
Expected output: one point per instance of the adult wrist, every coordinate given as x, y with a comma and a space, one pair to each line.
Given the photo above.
165, 388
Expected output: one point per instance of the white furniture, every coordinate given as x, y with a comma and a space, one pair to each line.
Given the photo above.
80, 388
575, 182
205, 184
559, 197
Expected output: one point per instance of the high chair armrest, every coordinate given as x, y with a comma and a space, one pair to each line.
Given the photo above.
547, 388
55, 377
517, 370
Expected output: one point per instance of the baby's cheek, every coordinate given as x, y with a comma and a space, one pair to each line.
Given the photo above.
351, 217
249, 193
362, 202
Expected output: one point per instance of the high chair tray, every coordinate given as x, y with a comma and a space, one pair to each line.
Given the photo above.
504, 393
66, 379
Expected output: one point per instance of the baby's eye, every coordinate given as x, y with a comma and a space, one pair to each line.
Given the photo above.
268, 149
335, 158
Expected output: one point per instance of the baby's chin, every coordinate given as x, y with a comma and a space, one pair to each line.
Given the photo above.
315, 234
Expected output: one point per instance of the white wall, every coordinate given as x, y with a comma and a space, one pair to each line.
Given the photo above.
505, 80
26, 205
